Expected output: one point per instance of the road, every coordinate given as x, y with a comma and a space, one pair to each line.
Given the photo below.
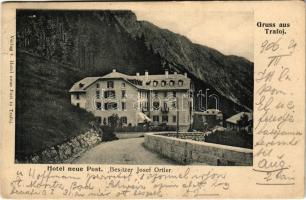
123, 151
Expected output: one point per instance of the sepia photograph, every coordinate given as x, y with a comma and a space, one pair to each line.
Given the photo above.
125, 87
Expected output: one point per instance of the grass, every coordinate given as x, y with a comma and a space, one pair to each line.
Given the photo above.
44, 115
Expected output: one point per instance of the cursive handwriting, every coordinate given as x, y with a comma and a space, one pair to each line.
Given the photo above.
275, 108
33, 182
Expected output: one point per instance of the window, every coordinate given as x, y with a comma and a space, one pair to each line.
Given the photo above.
98, 105
163, 83
110, 106
155, 94
77, 96
173, 104
123, 94
106, 106
165, 94
165, 118
171, 83
145, 107
155, 83
174, 93
110, 84
98, 85
110, 94
123, 85
124, 120
78, 105
98, 94
180, 82
155, 118
174, 118
156, 105
123, 106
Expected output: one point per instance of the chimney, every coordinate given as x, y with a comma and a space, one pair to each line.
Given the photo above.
114, 70
146, 73
185, 74
167, 73
137, 74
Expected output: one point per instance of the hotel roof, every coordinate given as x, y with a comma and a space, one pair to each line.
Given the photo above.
144, 82
209, 112
81, 85
234, 119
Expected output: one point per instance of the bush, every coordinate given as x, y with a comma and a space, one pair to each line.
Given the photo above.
231, 138
108, 136
108, 133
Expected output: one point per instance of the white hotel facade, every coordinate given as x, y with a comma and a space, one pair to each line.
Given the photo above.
159, 99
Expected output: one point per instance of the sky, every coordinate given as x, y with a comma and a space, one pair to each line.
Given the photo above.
231, 33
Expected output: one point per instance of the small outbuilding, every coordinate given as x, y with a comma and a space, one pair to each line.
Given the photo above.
240, 121
207, 119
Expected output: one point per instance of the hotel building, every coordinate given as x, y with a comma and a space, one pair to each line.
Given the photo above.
158, 99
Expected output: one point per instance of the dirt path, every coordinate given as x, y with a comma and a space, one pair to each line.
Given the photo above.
123, 151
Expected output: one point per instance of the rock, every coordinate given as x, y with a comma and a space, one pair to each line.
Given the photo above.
62, 152
35, 159
46, 156
82, 142
76, 146
54, 155
67, 150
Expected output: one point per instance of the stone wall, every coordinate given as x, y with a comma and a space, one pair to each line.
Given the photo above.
193, 152
67, 150
197, 136
126, 135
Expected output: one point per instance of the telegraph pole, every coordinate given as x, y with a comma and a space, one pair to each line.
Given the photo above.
206, 97
177, 117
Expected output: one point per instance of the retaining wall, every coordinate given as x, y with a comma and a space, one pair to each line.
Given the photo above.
194, 152
65, 151
126, 135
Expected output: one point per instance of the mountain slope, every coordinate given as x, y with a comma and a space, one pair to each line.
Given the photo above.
44, 115
231, 76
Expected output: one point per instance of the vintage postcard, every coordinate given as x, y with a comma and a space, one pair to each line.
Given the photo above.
152, 100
